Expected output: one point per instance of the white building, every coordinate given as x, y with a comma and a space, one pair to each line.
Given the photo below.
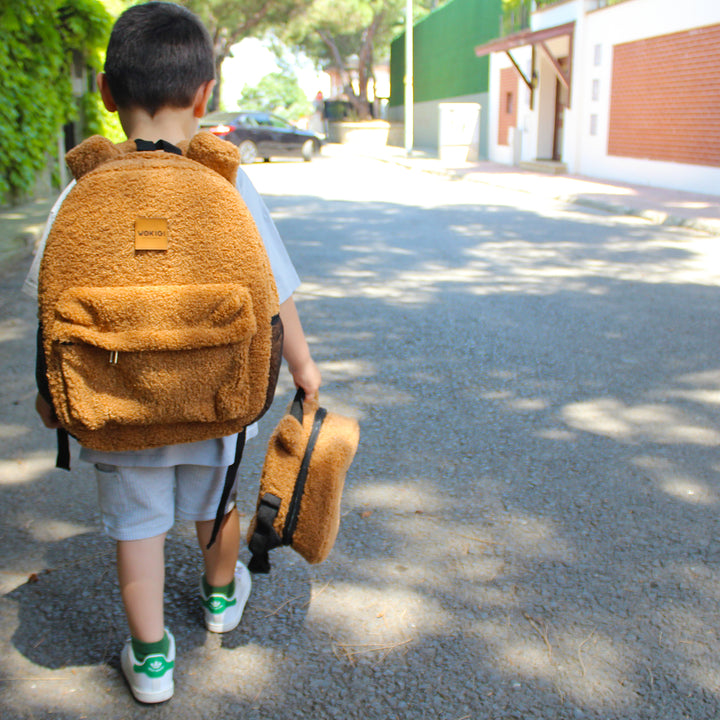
628, 91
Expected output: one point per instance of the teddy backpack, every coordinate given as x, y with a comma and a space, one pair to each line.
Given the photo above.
158, 310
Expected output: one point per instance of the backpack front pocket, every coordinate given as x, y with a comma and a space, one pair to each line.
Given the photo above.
154, 354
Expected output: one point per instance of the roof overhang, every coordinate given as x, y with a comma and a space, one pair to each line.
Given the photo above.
535, 38
523, 38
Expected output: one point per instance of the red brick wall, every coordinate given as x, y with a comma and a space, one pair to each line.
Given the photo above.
665, 98
507, 114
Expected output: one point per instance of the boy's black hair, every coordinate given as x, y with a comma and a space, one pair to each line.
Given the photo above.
159, 54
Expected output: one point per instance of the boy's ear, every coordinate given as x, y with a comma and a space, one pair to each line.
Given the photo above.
202, 97
105, 93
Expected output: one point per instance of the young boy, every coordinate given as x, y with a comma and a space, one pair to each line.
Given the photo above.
159, 74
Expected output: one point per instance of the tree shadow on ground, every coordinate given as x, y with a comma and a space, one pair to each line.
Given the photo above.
530, 526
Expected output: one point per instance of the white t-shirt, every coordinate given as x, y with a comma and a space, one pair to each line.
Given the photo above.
218, 452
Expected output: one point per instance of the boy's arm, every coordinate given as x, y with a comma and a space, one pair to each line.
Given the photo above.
296, 352
46, 412
295, 348
43, 403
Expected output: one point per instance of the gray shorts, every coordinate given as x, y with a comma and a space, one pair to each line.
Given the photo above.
141, 502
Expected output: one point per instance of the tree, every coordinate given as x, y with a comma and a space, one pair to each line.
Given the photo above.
229, 21
347, 35
279, 93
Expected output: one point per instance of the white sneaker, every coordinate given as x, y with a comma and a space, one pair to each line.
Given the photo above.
150, 681
222, 613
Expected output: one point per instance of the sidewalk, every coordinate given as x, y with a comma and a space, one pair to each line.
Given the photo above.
659, 206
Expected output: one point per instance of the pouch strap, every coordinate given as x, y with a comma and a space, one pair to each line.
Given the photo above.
296, 409
264, 537
229, 482
294, 510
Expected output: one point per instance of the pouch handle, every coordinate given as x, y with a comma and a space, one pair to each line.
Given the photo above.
296, 408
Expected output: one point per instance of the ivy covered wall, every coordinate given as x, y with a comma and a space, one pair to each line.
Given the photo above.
38, 39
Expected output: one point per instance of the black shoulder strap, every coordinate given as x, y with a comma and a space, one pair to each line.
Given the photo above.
63, 453
63, 439
147, 145
229, 482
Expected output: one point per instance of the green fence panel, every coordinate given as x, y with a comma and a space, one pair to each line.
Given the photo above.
444, 60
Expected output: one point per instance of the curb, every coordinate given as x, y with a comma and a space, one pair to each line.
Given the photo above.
654, 217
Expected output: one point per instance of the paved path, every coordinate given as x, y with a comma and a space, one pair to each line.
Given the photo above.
530, 528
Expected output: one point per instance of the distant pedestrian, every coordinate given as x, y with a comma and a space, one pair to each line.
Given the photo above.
141, 492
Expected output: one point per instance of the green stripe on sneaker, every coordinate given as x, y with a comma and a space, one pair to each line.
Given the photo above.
217, 604
154, 666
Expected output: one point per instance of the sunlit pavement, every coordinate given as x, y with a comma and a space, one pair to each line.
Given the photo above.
530, 528
659, 206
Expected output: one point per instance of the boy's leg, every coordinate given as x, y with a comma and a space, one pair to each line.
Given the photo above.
225, 586
148, 658
221, 558
137, 510
141, 573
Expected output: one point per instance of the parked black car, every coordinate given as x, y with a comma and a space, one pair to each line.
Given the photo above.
262, 135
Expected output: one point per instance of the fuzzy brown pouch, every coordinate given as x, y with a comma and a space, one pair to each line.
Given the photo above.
308, 456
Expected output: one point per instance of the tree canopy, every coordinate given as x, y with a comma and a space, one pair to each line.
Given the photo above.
229, 21
349, 35
278, 92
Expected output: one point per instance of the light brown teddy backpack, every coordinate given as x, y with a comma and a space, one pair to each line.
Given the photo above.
158, 308
308, 456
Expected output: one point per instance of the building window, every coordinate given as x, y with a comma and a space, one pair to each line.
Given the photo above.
598, 55
595, 89
507, 112
593, 124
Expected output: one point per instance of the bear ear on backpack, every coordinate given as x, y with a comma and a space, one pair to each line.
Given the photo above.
90, 154
219, 155
290, 436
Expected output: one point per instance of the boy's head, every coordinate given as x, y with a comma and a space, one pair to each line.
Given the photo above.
158, 56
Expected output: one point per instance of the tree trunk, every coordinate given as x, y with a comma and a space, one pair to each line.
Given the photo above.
338, 62
365, 69
224, 39
214, 102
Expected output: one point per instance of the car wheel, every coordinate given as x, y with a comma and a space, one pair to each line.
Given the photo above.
248, 152
308, 150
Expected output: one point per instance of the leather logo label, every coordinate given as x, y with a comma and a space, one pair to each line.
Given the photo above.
151, 234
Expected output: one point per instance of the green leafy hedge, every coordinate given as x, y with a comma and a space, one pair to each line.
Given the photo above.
37, 38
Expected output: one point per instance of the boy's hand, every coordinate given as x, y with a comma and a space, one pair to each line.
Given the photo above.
47, 414
307, 376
